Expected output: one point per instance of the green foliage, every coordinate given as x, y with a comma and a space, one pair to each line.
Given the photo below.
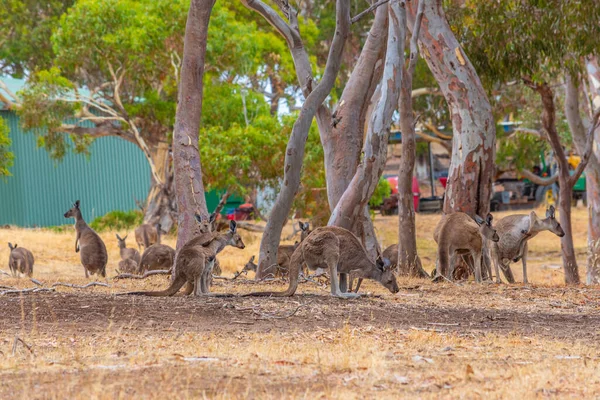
117, 221
6, 156
382, 191
25, 26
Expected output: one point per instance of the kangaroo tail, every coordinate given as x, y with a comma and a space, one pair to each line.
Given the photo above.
170, 291
296, 263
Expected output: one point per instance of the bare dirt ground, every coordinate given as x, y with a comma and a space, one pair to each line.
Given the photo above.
428, 341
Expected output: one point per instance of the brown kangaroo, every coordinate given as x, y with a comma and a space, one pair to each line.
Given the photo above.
515, 231
390, 254
128, 253
146, 235
157, 256
284, 252
458, 232
20, 261
128, 265
341, 252
250, 266
195, 262
89, 245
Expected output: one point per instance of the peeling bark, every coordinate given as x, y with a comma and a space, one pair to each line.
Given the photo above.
296, 144
409, 263
367, 175
593, 184
471, 170
186, 158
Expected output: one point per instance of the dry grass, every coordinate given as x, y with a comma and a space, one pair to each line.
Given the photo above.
429, 341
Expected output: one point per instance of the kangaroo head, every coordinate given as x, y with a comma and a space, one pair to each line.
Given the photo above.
551, 223
486, 229
11, 246
203, 223
250, 266
305, 228
121, 241
387, 278
235, 239
73, 211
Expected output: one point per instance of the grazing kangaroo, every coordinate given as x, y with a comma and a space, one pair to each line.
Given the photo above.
146, 235
128, 266
195, 262
515, 231
340, 251
459, 233
284, 252
390, 254
91, 248
157, 256
128, 253
20, 261
250, 266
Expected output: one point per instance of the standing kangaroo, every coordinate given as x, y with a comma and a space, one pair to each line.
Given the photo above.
195, 262
284, 252
515, 231
128, 253
146, 235
460, 233
341, 252
20, 261
89, 245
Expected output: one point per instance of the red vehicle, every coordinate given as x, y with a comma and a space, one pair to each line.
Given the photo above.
390, 204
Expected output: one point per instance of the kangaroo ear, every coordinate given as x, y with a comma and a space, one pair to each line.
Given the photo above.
212, 218
199, 218
76, 203
118, 238
125, 237
478, 220
550, 213
10, 245
232, 226
488, 219
252, 259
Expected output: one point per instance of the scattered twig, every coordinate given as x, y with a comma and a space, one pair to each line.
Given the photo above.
4, 273
146, 274
220, 277
7, 287
79, 286
30, 290
441, 324
368, 10
17, 340
263, 316
36, 282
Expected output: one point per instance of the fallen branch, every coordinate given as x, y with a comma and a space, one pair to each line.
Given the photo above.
146, 274
36, 281
79, 286
250, 227
17, 340
4, 273
263, 316
7, 287
30, 290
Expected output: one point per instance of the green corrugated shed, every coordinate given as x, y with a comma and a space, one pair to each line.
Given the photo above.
41, 189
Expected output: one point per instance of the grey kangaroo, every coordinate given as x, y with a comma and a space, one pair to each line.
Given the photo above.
146, 235
284, 252
340, 251
195, 262
20, 261
515, 231
128, 253
157, 256
459, 233
88, 244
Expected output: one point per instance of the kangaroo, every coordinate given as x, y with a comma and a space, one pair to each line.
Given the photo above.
515, 231
340, 251
128, 265
250, 266
91, 248
157, 256
459, 233
20, 261
146, 235
390, 254
195, 262
128, 253
284, 252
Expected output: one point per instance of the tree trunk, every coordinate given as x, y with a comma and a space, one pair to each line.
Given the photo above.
342, 142
186, 158
409, 263
362, 186
160, 204
471, 170
296, 144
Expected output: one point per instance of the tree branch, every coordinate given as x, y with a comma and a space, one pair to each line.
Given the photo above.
436, 131
432, 139
291, 35
425, 91
538, 180
585, 158
368, 10
414, 48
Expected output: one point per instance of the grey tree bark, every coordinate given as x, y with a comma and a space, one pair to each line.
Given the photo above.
578, 132
367, 175
186, 158
295, 148
473, 146
409, 262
